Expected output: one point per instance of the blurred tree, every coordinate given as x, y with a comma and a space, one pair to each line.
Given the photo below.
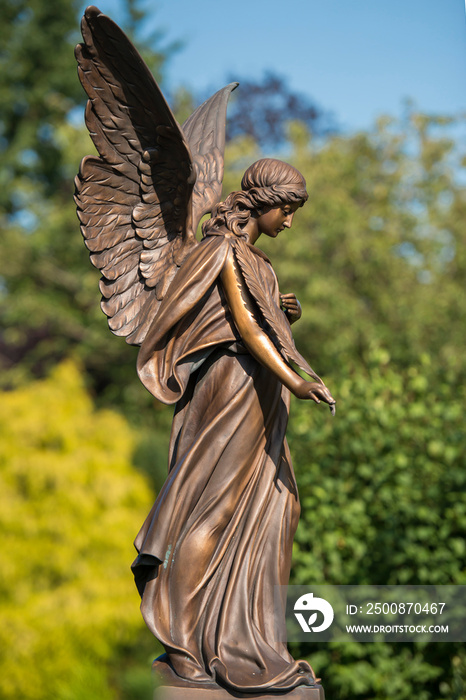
70, 507
377, 254
262, 109
183, 104
383, 495
48, 293
38, 92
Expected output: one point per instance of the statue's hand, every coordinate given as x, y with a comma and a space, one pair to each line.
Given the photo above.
291, 306
315, 391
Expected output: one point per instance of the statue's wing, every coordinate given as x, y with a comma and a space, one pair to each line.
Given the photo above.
276, 322
205, 132
134, 202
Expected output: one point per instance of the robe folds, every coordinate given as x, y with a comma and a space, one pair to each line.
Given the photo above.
219, 536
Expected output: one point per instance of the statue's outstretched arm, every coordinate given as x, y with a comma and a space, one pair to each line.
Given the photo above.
258, 342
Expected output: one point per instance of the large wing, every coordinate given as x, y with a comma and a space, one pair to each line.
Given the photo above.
134, 202
205, 133
278, 325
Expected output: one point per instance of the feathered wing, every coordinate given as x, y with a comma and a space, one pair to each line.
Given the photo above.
274, 317
135, 199
205, 132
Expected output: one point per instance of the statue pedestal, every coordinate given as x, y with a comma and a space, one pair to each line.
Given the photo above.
165, 692
172, 687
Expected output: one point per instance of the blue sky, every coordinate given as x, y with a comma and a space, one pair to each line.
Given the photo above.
355, 58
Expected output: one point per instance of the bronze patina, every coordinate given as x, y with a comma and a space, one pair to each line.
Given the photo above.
215, 340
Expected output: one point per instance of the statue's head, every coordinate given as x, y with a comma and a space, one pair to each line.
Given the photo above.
269, 182
266, 184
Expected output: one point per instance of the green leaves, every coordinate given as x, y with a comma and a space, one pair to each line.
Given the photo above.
70, 507
383, 494
377, 253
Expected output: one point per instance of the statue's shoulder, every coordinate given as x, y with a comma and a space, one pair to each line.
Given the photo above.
206, 260
222, 237
217, 235
218, 241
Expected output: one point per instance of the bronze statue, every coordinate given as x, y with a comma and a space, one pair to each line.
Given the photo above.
214, 342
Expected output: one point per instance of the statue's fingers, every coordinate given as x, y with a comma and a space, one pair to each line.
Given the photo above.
326, 395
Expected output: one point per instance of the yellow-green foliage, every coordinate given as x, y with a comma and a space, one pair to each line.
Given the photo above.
70, 505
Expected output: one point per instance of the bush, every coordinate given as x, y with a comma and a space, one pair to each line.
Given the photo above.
71, 504
383, 493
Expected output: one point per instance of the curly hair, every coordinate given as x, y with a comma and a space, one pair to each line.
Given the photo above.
266, 183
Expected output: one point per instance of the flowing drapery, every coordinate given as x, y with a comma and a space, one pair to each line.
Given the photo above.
219, 536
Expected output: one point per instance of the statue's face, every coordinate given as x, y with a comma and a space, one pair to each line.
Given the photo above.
275, 219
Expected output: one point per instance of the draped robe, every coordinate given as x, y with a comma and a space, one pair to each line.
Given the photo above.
219, 536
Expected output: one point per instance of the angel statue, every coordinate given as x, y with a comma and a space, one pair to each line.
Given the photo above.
215, 340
